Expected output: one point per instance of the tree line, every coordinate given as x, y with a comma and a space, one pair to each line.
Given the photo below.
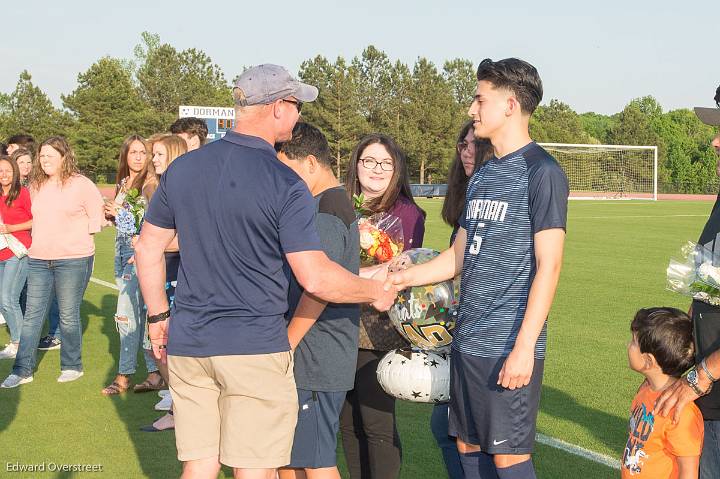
423, 106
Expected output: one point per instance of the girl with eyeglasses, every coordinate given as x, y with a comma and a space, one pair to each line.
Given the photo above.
371, 442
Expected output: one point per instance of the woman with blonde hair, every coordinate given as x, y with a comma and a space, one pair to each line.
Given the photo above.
67, 211
165, 149
132, 174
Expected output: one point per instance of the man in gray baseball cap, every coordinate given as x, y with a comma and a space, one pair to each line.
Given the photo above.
241, 214
264, 84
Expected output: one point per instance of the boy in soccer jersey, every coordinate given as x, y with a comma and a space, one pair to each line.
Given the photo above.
662, 350
509, 250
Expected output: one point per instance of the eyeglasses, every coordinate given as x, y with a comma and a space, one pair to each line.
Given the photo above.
371, 163
298, 104
463, 145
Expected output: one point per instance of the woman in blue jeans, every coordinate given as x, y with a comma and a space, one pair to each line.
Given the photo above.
15, 224
165, 149
130, 316
470, 153
67, 211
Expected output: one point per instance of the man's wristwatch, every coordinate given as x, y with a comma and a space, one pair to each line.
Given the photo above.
156, 318
693, 381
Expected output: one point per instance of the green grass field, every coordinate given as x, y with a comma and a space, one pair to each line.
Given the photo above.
616, 254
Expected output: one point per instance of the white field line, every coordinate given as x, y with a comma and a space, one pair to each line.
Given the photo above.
541, 438
621, 203
633, 216
578, 451
103, 283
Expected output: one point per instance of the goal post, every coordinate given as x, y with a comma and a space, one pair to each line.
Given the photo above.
608, 171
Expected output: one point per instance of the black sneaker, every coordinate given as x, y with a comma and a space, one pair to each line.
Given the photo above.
49, 342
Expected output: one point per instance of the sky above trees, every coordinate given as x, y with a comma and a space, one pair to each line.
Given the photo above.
421, 104
595, 57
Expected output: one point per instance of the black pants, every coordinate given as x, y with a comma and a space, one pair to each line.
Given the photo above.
367, 422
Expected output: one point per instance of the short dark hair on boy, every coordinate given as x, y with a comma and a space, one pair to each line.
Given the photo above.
192, 126
307, 140
517, 76
23, 141
667, 334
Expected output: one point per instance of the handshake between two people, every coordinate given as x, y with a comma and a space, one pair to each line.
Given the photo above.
392, 283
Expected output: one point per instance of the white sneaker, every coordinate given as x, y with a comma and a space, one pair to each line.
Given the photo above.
163, 392
14, 381
9, 352
69, 375
165, 404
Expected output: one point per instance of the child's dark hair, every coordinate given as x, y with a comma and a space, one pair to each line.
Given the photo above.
307, 140
667, 334
515, 75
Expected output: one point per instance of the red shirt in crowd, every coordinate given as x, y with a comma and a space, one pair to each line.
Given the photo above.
18, 212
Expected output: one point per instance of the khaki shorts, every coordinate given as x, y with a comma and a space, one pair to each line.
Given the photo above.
242, 409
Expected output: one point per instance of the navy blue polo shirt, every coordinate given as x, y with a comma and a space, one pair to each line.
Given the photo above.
237, 210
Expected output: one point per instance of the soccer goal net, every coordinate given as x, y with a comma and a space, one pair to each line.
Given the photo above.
608, 171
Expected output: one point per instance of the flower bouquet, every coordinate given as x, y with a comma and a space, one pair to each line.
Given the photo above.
381, 238
131, 213
696, 274
381, 234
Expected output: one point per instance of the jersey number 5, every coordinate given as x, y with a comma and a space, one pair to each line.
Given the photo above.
477, 241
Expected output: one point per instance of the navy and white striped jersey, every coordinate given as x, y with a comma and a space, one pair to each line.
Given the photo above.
508, 200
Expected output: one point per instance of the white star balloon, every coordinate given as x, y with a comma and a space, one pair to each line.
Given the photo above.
414, 375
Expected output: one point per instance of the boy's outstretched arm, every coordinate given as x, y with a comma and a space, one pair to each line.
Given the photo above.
446, 266
688, 467
518, 367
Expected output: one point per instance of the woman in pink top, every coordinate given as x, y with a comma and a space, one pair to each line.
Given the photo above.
15, 221
67, 211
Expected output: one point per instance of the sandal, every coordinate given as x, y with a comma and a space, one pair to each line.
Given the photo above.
115, 387
149, 385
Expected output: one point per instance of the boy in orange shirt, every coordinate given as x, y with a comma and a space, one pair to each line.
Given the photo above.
661, 349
